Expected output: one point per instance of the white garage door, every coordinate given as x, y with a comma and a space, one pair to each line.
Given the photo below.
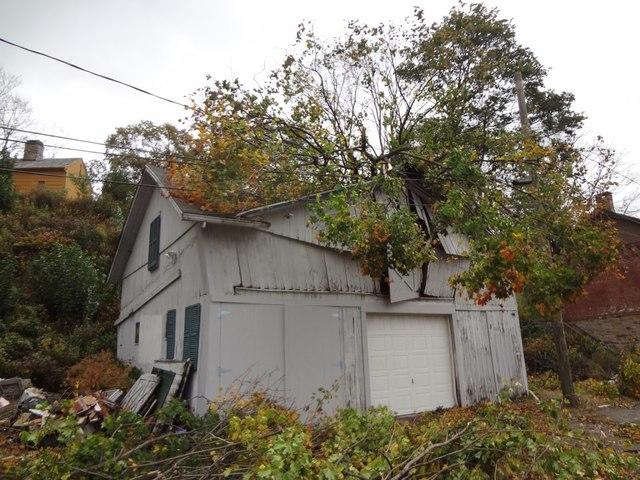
410, 365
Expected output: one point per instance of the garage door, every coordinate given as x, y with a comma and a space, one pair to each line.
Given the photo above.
410, 363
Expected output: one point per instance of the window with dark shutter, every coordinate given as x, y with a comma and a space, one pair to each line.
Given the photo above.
191, 334
137, 334
154, 244
170, 334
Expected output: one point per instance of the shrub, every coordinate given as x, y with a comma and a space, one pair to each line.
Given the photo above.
7, 282
45, 198
540, 354
599, 388
544, 381
99, 372
66, 282
629, 376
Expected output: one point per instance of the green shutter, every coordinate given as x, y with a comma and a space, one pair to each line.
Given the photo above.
171, 334
191, 334
154, 244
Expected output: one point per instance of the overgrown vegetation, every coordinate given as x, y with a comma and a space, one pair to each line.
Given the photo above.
600, 370
254, 437
55, 306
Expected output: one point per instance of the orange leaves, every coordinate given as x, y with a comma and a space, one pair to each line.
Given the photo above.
507, 253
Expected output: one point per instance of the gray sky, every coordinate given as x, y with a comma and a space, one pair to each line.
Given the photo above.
168, 46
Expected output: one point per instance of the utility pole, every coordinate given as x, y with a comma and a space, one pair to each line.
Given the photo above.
556, 320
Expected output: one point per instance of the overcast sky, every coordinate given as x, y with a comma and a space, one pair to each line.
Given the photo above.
168, 46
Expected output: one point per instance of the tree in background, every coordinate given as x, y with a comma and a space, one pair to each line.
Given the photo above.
7, 191
130, 148
14, 110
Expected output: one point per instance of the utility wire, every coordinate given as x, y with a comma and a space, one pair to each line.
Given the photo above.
96, 180
14, 129
100, 75
74, 139
192, 162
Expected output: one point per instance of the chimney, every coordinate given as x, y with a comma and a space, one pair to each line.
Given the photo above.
33, 150
605, 201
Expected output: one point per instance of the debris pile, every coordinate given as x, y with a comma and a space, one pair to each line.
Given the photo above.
24, 407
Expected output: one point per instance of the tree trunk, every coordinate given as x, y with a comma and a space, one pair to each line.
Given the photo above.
564, 366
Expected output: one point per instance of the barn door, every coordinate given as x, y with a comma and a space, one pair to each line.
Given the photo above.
191, 334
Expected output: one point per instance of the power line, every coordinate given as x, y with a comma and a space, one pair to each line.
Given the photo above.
74, 139
100, 75
96, 180
82, 150
62, 137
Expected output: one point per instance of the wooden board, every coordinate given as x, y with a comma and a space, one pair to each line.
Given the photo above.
139, 394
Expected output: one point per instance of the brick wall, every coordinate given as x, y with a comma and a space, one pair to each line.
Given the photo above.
609, 296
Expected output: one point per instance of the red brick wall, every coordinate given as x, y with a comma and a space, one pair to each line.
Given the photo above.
608, 295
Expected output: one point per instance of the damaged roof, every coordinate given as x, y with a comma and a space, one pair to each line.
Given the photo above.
156, 177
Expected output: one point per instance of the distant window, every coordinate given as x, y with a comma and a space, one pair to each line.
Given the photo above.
137, 337
40, 182
154, 244
170, 334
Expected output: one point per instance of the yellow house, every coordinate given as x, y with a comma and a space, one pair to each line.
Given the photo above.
56, 174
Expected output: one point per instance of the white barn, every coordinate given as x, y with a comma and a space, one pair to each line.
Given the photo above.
256, 294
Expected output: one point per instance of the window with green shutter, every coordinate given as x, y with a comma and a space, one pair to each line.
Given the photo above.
170, 334
154, 244
191, 334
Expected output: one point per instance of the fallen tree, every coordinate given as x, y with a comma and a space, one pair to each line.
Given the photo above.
254, 436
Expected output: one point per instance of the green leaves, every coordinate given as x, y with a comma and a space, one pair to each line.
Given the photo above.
66, 281
376, 234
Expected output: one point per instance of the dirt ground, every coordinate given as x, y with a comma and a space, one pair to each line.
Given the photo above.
614, 422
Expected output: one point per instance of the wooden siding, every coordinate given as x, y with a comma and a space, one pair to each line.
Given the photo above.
488, 352
26, 182
255, 259
293, 351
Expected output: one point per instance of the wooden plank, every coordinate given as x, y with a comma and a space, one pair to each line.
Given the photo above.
506, 349
404, 287
353, 357
140, 393
438, 274
476, 379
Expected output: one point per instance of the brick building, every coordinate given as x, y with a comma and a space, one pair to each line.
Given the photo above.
610, 310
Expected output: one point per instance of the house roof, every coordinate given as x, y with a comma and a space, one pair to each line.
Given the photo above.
44, 163
621, 216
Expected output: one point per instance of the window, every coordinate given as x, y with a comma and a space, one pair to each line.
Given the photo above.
191, 334
154, 244
40, 182
170, 334
137, 337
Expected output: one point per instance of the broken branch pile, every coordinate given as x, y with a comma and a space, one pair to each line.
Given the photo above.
253, 436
